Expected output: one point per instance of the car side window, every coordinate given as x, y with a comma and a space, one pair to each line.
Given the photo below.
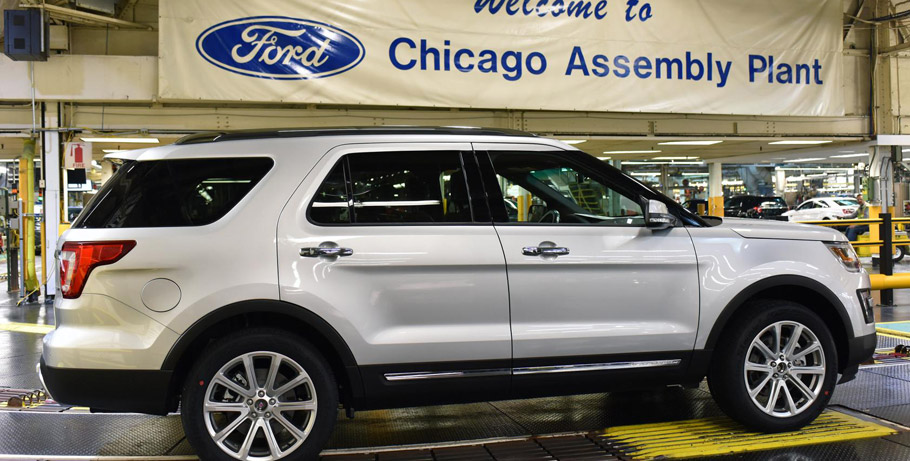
394, 188
547, 188
331, 204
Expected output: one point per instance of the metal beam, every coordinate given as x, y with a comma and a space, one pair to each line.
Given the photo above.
854, 17
893, 49
69, 14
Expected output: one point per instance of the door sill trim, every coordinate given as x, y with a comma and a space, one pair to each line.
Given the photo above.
419, 375
595, 367
411, 376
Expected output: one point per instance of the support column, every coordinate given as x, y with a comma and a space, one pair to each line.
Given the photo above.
780, 186
51, 169
27, 218
716, 189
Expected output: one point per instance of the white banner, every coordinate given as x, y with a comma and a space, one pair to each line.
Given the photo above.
774, 57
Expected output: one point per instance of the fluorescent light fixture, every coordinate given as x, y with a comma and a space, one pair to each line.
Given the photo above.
644, 174
662, 163
572, 142
799, 143
846, 152
633, 152
807, 160
675, 158
113, 151
849, 155
689, 143
123, 140
695, 174
905, 150
604, 158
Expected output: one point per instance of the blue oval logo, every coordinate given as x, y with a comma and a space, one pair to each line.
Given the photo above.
281, 48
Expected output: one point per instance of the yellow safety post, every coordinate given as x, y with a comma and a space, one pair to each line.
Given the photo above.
701, 209
522, 209
874, 212
889, 282
27, 214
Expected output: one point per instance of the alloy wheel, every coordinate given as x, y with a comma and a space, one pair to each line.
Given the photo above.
784, 369
260, 406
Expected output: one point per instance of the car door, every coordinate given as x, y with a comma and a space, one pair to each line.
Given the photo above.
823, 210
384, 243
591, 288
804, 212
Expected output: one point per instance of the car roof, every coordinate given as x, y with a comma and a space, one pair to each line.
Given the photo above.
236, 135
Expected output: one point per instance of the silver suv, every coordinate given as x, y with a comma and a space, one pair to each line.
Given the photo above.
258, 280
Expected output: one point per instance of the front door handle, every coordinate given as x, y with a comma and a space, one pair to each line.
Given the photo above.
329, 252
544, 251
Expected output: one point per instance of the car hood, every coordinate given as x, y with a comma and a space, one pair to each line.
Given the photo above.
762, 229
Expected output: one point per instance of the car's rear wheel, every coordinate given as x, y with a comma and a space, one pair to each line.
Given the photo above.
774, 370
260, 395
899, 253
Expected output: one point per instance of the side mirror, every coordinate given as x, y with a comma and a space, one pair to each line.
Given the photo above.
659, 217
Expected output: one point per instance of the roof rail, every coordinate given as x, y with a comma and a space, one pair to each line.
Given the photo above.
219, 136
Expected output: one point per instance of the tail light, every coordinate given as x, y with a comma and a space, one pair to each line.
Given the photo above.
78, 259
758, 209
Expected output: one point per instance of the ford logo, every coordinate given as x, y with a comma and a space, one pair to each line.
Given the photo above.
280, 48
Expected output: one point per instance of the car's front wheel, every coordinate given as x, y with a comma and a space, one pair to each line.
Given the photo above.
259, 395
774, 370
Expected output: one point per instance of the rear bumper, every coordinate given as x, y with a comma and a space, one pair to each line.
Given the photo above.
127, 391
859, 350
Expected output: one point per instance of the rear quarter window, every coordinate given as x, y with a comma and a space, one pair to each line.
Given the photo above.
173, 193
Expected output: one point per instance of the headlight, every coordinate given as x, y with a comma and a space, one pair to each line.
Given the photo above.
844, 253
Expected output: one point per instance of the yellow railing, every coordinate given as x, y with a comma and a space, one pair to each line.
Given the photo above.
885, 281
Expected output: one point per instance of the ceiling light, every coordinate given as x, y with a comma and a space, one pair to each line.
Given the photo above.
644, 174
572, 142
695, 174
632, 152
123, 140
690, 143
849, 155
605, 158
675, 158
807, 160
113, 151
799, 143
663, 163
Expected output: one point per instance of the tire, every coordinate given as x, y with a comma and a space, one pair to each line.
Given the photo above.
899, 253
816, 370
219, 377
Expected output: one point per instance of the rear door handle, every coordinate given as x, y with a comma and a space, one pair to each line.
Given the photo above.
315, 252
545, 251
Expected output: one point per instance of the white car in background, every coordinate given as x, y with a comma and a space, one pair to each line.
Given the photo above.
825, 208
